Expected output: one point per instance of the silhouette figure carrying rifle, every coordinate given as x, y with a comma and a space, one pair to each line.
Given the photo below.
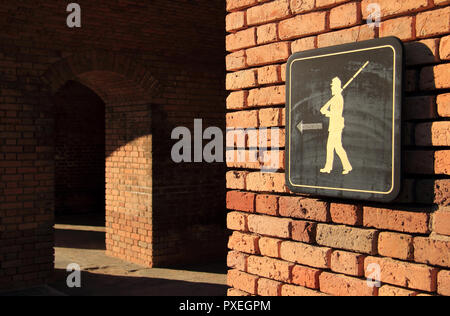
334, 110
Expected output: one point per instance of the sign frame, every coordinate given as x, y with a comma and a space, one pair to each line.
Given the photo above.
398, 76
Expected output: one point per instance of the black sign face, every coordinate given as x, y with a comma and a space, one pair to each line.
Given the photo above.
343, 120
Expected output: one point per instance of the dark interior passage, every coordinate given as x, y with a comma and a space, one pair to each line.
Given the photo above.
79, 152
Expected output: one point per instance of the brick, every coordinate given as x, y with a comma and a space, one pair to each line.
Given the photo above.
345, 16
339, 285
318, 257
269, 226
237, 221
237, 260
270, 117
242, 281
275, 95
270, 268
441, 221
241, 79
388, 290
435, 77
292, 290
329, 3
432, 252
442, 192
395, 245
444, 48
272, 11
306, 277
346, 214
396, 220
304, 44
304, 208
443, 105
236, 61
236, 180
235, 21
244, 243
444, 283
409, 275
267, 33
304, 231
266, 182
348, 238
394, 7
268, 287
422, 52
355, 34
241, 201
442, 162
237, 293
237, 100
269, 75
242, 119
302, 6
270, 247
302, 25
347, 263
401, 28
233, 5
433, 23
268, 54
267, 204
433, 134
240, 40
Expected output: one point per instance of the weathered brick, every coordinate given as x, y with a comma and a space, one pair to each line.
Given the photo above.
304, 208
268, 54
268, 287
236, 180
347, 214
401, 28
269, 226
443, 105
304, 231
306, 277
313, 256
435, 77
347, 263
270, 268
270, 247
396, 220
244, 243
268, 75
267, 33
409, 275
433, 23
241, 201
394, 7
241, 39
242, 281
235, 21
431, 251
302, 25
348, 238
292, 290
233, 5
241, 79
433, 134
355, 34
345, 15
395, 245
242, 119
444, 48
304, 44
237, 100
302, 6
422, 52
266, 182
441, 221
339, 285
267, 204
237, 260
328, 3
275, 95
444, 283
388, 290
237, 221
236, 61
268, 12
237, 293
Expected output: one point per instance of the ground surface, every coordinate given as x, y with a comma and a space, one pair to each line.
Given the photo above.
84, 244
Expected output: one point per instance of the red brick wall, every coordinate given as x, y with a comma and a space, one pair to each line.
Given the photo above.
155, 66
286, 244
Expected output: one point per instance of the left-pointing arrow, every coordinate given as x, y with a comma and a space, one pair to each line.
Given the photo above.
308, 127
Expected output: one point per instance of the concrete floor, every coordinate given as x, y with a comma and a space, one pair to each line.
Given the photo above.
84, 244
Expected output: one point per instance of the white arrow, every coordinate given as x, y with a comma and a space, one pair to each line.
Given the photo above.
308, 127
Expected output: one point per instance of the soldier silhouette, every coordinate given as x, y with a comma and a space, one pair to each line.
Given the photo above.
334, 110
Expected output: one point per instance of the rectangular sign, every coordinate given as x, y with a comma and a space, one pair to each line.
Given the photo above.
343, 120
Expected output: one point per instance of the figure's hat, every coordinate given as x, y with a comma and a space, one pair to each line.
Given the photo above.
336, 82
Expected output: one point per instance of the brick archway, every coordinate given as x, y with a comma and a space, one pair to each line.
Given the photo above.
127, 89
